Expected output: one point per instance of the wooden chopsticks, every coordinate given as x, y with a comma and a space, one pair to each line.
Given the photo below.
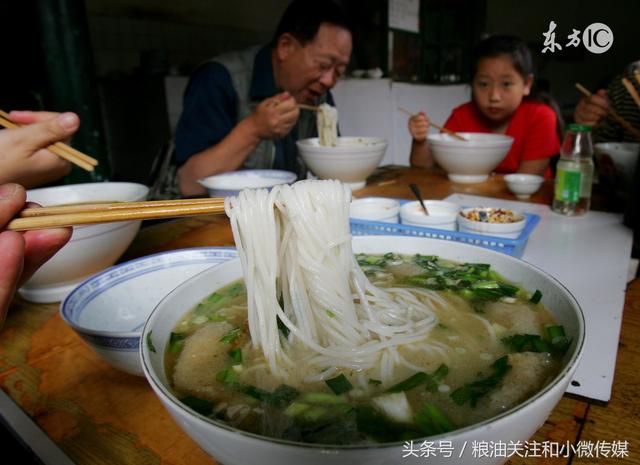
304, 106
632, 90
79, 214
440, 128
62, 150
625, 124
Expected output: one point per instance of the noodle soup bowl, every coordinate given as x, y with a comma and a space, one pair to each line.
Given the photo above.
471, 160
351, 161
231, 446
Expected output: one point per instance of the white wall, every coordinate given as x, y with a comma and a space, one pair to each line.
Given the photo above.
368, 107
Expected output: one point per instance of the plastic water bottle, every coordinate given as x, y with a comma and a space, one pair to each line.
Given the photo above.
574, 172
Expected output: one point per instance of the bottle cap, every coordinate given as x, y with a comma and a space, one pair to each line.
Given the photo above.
579, 127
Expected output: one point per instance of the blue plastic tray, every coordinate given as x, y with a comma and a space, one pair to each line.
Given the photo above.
514, 247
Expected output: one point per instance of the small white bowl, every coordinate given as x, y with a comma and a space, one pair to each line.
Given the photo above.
507, 230
351, 161
375, 209
442, 215
523, 185
471, 160
92, 247
109, 309
230, 184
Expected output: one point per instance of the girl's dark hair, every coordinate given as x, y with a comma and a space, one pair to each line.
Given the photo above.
497, 45
302, 19
520, 55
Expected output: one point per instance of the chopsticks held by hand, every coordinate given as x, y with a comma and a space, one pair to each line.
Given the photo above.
440, 128
304, 106
632, 91
625, 124
79, 214
62, 150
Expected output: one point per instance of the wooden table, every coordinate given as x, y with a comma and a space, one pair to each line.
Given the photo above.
99, 415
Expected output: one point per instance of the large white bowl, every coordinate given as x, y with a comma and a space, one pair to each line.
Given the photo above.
109, 309
92, 248
234, 447
351, 161
617, 163
472, 160
230, 184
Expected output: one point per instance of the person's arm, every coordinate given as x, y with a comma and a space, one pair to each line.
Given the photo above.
21, 254
420, 152
538, 167
592, 110
272, 119
541, 141
24, 158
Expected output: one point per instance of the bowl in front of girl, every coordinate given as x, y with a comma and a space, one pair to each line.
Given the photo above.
109, 309
228, 184
234, 446
351, 161
471, 160
92, 247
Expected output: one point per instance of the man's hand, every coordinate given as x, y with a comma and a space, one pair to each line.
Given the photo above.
593, 109
274, 117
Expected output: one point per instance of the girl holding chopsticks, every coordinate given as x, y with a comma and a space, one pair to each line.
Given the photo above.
501, 103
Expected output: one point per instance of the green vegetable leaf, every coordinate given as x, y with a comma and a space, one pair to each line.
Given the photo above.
231, 336
339, 385
535, 298
472, 392
176, 342
150, 343
202, 406
431, 420
226, 376
236, 356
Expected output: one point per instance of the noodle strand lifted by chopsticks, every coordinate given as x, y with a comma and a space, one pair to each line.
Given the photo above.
294, 244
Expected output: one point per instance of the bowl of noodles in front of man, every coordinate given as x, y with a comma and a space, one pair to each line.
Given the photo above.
314, 347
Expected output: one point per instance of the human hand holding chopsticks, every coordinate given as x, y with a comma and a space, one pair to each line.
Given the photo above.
21, 254
24, 157
592, 109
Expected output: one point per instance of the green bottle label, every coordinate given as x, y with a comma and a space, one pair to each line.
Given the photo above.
568, 186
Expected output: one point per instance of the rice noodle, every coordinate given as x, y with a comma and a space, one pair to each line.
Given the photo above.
294, 244
327, 120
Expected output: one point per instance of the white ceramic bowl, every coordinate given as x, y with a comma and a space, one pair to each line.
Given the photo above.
233, 447
351, 161
442, 215
92, 248
230, 184
523, 185
506, 230
375, 209
471, 160
617, 163
109, 309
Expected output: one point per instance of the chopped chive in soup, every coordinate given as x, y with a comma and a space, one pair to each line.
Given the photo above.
468, 367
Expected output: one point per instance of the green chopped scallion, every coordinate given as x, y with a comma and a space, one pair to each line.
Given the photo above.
339, 385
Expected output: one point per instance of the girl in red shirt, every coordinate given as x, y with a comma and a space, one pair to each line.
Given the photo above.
501, 104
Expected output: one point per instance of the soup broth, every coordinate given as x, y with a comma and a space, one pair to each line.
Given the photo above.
493, 345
